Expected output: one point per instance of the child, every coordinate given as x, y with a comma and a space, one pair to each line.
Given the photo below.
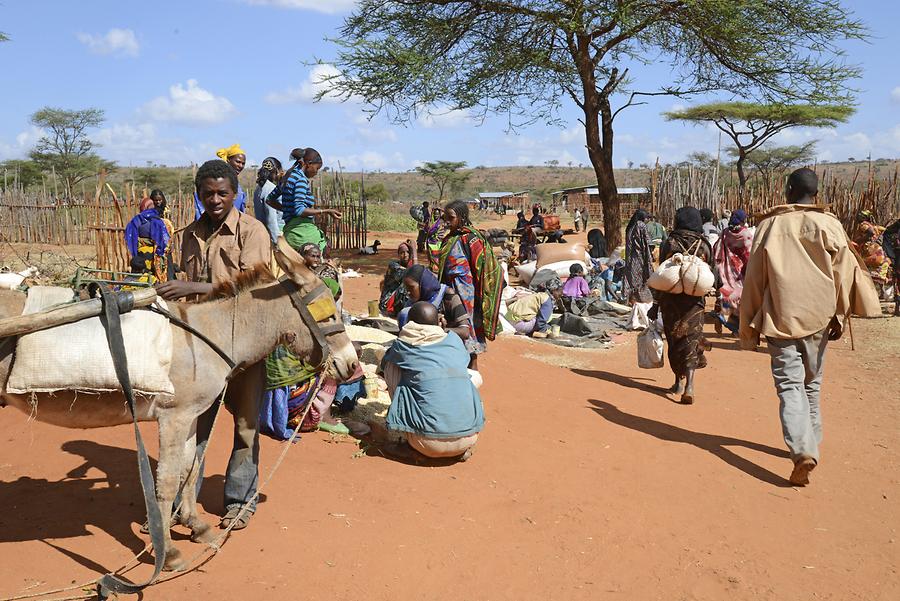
576, 286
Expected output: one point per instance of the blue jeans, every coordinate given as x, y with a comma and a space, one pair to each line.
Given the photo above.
543, 316
242, 399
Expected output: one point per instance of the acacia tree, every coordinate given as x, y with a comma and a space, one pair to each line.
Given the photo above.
443, 173
66, 148
771, 160
524, 58
750, 125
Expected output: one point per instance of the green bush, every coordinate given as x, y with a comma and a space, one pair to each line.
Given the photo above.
382, 218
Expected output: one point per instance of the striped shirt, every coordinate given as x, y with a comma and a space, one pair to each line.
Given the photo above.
296, 195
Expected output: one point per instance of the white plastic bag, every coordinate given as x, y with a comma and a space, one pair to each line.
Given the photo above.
638, 319
650, 348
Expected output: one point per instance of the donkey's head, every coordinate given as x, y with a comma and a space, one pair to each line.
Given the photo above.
321, 308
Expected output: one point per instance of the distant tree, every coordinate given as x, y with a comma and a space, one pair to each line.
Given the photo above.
851, 160
377, 192
569, 164
66, 147
769, 161
644, 166
443, 173
524, 58
148, 178
553, 163
25, 174
701, 159
750, 125
630, 164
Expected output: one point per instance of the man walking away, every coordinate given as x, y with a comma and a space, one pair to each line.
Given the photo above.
803, 280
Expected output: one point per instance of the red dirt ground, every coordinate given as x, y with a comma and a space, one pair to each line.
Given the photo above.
587, 483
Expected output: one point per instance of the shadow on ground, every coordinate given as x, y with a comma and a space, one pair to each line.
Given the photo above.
712, 443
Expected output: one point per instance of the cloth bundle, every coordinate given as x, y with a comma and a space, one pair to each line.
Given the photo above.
683, 274
76, 356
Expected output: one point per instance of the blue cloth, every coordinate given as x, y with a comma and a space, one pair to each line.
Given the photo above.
273, 413
240, 203
270, 216
296, 195
543, 316
435, 396
147, 224
436, 298
347, 394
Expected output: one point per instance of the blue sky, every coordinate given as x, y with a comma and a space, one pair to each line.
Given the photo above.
179, 79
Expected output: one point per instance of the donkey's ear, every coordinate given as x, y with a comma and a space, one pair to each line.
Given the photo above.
289, 259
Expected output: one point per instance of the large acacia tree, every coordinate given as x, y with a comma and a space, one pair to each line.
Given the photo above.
750, 125
525, 58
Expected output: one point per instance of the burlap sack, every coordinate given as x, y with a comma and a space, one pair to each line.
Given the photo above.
556, 253
76, 356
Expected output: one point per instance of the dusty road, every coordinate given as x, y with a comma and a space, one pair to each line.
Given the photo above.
587, 483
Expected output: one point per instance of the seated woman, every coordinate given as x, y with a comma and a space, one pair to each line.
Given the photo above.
434, 401
393, 294
576, 286
422, 285
531, 314
147, 239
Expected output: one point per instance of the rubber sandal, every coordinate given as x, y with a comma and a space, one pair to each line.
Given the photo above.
337, 428
232, 516
800, 474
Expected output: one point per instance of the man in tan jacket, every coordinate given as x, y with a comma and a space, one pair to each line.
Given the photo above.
802, 282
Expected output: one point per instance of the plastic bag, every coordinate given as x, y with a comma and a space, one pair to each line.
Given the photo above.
650, 348
638, 319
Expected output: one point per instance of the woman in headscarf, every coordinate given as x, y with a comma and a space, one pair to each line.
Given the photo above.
682, 314
294, 198
267, 177
468, 266
422, 285
866, 240
891, 243
638, 259
597, 241
235, 156
433, 236
732, 253
393, 294
147, 239
327, 272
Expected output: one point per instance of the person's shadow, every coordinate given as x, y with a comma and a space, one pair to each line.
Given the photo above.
641, 384
717, 445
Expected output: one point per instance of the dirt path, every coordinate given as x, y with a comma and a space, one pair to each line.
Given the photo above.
588, 483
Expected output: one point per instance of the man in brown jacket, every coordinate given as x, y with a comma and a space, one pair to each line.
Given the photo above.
802, 282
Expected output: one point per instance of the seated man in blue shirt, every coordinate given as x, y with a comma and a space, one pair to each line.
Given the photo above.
435, 403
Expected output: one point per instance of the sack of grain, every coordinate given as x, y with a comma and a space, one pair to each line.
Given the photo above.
76, 356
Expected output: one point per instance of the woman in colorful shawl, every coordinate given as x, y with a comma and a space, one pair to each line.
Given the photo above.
732, 253
294, 198
891, 243
393, 294
433, 237
638, 259
468, 266
682, 314
422, 285
147, 239
866, 241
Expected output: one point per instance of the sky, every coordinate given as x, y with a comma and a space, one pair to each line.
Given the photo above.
179, 79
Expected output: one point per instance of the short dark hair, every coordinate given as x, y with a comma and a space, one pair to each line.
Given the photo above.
424, 313
802, 183
576, 269
461, 208
157, 192
216, 169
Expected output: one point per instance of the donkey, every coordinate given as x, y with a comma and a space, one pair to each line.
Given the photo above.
247, 318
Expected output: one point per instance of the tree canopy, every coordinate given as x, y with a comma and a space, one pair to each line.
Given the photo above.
750, 125
66, 148
769, 161
525, 58
443, 173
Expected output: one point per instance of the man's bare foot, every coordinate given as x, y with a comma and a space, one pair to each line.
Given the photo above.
678, 386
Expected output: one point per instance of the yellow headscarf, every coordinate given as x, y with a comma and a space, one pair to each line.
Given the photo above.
227, 153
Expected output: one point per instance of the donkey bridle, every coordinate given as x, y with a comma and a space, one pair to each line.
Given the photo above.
318, 330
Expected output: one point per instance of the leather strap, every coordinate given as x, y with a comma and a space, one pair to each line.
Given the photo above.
110, 583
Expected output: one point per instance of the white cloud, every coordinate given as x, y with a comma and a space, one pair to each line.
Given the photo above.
895, 94
117, 42
24, 142
444, 118
317, 81
329, 7
138, 143
371, 161
573, 134
376, 135
190, 104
